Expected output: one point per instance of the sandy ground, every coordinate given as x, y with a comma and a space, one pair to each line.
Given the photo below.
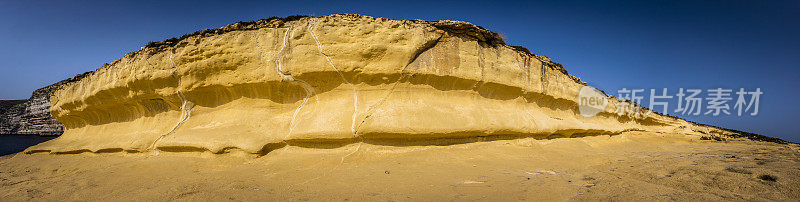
630, 166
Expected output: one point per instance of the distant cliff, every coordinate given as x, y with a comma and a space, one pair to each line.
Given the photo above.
32, 116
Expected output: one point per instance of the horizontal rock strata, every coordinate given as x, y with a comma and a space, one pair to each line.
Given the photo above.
31, 116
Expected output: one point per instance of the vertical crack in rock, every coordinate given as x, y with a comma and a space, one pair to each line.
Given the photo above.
186, 108
481, 64
542, 80
309, 92
403, 74
527, 67
310, 29
371, 109
287, 77
186, 111
279, 59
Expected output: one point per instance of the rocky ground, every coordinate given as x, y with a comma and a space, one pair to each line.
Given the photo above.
629, 166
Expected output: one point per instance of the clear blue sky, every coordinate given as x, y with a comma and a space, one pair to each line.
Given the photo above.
610, 45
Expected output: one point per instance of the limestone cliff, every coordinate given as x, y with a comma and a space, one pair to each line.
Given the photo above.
31, 116
331, 80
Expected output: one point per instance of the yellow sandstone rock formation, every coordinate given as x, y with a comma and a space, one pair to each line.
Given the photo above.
330, 80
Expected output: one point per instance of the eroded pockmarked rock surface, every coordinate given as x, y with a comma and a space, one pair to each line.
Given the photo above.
254, 87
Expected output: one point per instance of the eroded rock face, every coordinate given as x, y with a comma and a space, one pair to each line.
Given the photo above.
31, 116
326, 80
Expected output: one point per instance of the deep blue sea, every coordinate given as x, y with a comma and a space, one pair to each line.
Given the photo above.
10, 144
